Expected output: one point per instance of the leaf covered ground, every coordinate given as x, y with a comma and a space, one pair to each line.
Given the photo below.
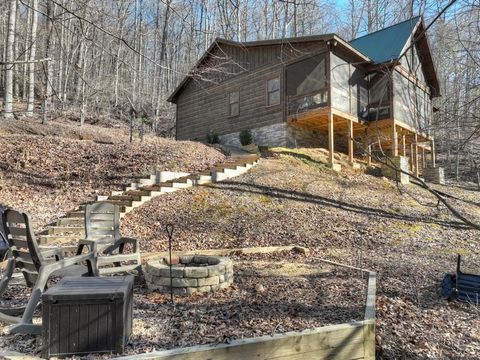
48, 170
291, 197
358, 219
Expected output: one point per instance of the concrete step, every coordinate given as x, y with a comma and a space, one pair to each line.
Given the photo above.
76, 214
142, 192
181, 183
48, 239
152, 179
121, 202
70, 221
58, 230
129, 197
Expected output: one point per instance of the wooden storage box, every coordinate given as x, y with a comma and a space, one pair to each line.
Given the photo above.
83, 315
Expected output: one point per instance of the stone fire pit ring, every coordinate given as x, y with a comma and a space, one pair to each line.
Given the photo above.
190, 274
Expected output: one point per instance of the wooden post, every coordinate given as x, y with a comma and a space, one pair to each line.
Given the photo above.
412, 164
331, 139
394, 140
350, 141
404, 145
432, 145
417, 172
424, 162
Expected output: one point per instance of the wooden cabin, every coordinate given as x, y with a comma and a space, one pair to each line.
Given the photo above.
356, 97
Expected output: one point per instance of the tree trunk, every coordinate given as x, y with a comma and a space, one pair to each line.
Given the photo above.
8, 103
47, 98
31, 68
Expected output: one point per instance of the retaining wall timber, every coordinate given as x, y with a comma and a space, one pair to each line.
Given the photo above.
351, 341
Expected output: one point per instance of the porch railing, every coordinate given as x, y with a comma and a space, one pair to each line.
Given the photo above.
297, 104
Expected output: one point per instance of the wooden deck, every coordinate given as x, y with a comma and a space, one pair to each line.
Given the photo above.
389, 135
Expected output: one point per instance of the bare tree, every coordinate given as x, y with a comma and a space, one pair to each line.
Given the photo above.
32, 63
9, 64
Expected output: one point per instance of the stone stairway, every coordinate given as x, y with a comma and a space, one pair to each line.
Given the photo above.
70, 228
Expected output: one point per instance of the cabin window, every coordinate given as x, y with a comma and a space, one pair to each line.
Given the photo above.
234, 103
273, 91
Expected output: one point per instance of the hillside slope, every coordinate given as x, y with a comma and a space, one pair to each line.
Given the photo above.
48, 170
358, 219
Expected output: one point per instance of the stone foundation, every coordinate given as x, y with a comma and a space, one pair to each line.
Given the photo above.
434, 175
400, 162
271, 135
190, 274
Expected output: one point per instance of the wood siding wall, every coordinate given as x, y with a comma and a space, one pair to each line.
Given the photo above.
411, 104
202, 106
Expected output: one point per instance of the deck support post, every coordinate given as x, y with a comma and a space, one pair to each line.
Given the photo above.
432, 148
404, 145
367, 148
412, 164
415, 145
331, 140
424, 162
394, 140
350, 141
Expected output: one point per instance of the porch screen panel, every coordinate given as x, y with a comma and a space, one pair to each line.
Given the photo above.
340, 83
379, 104
358, 93
306, 84
307, 76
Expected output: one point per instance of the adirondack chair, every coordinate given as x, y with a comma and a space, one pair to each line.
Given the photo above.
102, 230
37, 268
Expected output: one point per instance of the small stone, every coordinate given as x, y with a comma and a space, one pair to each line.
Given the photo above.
200, 259
196, 272
301, 250
221, 278
153, 287
215, 287
204, 289
213, 260
214, 270
175, 260
224, 285
259, 288
214, 280
176, 282
191, 290
187, 259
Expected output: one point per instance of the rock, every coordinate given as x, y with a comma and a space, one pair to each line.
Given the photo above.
175, 260
259, 288
301, 250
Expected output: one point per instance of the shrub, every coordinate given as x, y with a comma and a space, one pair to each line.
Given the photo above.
245, 137
213, 138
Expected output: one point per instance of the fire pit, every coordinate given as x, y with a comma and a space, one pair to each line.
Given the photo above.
190, 274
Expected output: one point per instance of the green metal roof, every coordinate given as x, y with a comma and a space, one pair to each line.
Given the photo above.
386, 45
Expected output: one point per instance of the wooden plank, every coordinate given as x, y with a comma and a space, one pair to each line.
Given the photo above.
223, 252
432, 154
343, 341
371, 296
424, 164
350, 141
415, 145
394, 140
369, 340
